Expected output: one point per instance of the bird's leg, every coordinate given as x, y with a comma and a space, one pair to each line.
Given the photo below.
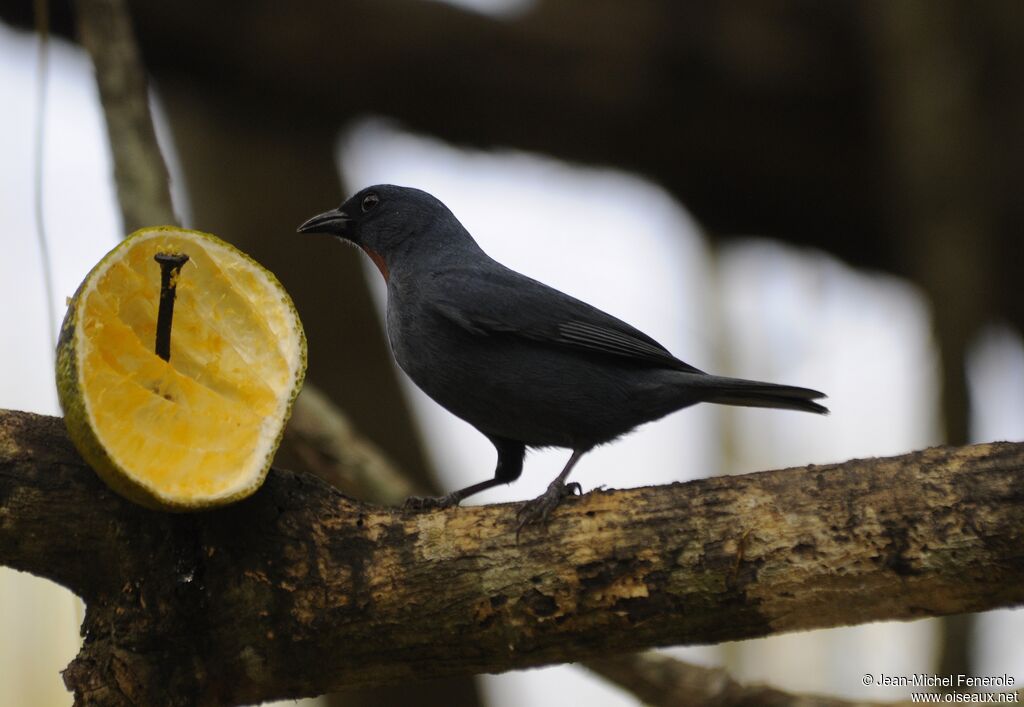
538, 509
510, 466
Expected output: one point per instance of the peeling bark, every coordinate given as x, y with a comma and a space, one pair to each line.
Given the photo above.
300, 590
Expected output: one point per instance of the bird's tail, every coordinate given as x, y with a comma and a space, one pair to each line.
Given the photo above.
736, 391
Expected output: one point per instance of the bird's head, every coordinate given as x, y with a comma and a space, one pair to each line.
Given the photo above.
388, 221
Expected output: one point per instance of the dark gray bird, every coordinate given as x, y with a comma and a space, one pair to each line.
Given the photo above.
525, 364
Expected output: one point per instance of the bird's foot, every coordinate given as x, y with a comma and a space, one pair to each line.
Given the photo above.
537, 510
427, 503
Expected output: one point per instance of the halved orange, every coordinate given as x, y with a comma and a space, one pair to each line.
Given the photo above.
199, 429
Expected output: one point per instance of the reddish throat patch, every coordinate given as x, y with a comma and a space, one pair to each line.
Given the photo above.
378, 260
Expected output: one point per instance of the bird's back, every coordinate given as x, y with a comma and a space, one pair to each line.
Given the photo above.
492, 346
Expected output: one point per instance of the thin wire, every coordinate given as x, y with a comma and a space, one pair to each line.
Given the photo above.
42, 12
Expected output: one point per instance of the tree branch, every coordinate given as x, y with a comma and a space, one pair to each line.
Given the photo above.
326, 441
661, 681
143, 187
300, 590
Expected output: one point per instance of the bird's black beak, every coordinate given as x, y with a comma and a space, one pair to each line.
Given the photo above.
333, 222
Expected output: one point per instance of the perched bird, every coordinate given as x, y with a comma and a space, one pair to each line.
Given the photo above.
525, 364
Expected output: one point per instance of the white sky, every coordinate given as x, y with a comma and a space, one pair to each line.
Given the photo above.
756, 310
80, 213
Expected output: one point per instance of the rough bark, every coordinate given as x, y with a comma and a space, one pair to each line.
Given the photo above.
300, 590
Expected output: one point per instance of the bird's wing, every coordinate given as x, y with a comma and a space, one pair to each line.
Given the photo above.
504, 302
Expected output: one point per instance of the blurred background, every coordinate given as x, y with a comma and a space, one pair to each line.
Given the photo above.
821, 194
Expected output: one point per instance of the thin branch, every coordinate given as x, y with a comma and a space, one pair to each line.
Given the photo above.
327, 443
143, 187
300, 590
42, 17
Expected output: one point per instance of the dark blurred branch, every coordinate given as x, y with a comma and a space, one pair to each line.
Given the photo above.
299, 590
761, 118
661, 681
930, 64
749, 115
143, 187
325, 440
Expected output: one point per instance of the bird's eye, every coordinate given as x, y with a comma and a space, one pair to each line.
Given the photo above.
369, 201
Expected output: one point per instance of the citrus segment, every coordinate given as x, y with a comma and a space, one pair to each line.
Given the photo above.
201, 428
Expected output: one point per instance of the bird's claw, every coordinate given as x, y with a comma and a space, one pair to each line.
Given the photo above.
538, 509
427, 503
